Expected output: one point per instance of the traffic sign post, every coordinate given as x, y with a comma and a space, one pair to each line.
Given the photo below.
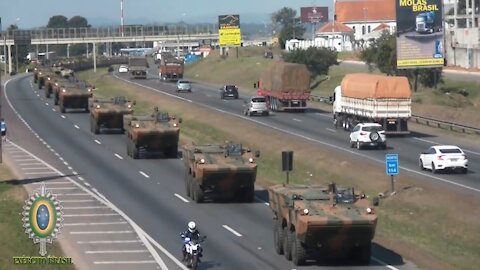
391, 168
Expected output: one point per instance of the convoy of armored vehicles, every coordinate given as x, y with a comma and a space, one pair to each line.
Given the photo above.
310, 222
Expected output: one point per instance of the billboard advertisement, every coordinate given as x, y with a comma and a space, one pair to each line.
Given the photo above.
229, 30
420, 34
313, 14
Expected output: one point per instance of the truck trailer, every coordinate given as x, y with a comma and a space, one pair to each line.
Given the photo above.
137, 65
286, 86
171, 68
373, 98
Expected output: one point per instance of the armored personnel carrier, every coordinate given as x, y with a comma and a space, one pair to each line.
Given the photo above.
43, 76
313, 222
70, 96
152, 135
226, 170
108, 113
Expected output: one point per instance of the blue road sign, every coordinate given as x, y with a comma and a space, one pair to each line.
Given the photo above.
391, 162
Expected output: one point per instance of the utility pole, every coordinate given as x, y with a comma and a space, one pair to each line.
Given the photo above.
121, 17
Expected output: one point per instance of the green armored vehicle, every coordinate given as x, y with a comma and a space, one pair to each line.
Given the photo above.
223, 170
313, 222
36, 70
154, 134
108, 113
71, 96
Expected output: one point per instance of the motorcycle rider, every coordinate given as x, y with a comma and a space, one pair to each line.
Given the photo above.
193, 234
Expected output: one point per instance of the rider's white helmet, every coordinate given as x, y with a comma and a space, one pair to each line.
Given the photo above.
191, 226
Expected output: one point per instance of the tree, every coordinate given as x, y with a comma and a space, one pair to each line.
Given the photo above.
57, 21
77, 22
317, 60
382, 54
289, 22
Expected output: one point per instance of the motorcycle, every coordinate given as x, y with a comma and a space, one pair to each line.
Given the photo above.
193, 251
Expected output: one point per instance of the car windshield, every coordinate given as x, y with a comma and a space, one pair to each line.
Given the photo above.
450, 151
230, 88
345, 196
258, 99
372, 128
183, 82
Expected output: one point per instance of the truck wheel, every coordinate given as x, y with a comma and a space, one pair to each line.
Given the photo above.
287, 243
278, 235
248, 195
365, 254
94, 127
198, 193
299, 254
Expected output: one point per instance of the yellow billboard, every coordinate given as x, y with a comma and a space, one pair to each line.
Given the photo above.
229, 37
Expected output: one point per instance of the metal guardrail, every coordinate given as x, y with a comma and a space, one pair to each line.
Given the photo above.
421, 120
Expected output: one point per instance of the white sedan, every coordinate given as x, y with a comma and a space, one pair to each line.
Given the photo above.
443, 157
123, 69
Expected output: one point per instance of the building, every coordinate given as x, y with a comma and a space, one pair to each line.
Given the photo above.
336, 35
366, 16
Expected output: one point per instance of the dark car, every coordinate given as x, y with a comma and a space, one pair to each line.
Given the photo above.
229, 91
268, 55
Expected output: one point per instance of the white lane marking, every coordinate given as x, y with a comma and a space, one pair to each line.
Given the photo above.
66, 163
267, 204
108, 242
70, 168
63, 116
436, 143
330, 129
94, 223
83, 207
62, 188
98, 142
46, 103
37, 173
38, 95
231, 230
118, 156
125, 262
115, 251
81, 178
34, 168
144, 174
103, 232
53, 109
77, 127
298, 120
180, 197
77, 201
384, 263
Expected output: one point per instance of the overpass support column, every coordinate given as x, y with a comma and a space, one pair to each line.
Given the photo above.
87, 50
94, 49
9, 58
47, 55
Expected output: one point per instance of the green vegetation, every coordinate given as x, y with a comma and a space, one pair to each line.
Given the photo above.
13, 240
413, 217
290, 24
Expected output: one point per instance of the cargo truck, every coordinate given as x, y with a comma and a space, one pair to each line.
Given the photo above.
138, 67
286, 86
373, 98
171, 68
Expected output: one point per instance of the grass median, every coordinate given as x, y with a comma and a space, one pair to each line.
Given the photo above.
14, 242
421, 221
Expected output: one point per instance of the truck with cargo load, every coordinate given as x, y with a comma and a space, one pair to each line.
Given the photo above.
138, 67
373, 98
170, 68
286, 86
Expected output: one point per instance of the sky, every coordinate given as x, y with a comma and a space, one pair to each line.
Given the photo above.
35, 13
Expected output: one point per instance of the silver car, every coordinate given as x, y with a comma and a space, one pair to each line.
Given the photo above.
256, 105
183, 85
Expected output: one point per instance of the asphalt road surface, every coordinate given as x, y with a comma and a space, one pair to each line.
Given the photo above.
151, 191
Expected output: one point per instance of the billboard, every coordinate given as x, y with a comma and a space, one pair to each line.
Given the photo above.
313, 14
229, 30
420, 33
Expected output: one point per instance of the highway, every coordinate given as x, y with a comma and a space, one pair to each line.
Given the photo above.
151, 191
316, 126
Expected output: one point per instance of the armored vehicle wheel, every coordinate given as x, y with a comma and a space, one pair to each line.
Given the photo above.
172, 152
94, 127
365, 254
248, 194
47, 93
62, 108
299, 254
129, 149
197, 193
278, 237
287, 243
187, 184
191, 187
55, 100
135, 154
